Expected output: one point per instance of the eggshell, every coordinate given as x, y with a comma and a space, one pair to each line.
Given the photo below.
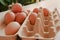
20, 17
32, 18
36, 10
9, 17
12, 28
17, 8
46, 12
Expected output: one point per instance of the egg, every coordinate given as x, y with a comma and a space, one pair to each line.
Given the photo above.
45, 12
16, 8
32, 18
36, 10
12, 28
20, 17
9, 17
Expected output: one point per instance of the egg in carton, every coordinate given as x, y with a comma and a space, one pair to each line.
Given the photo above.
2, 28
7, 29
43, 29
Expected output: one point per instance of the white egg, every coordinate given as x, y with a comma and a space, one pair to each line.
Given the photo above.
12, 28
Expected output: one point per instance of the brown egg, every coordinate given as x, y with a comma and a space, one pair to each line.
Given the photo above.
9, 17
46, 12
17, 8
20, 17
12, 28
32, 18
36, 10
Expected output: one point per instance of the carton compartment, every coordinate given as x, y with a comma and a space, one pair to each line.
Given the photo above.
3, 36
39, 30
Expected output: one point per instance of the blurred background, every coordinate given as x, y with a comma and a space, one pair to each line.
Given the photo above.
4, 3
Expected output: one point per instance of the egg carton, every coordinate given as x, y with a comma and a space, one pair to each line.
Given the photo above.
42, 27
3, 36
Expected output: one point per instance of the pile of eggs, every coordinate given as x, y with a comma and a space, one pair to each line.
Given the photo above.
14, 18
33, 16
30, 30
